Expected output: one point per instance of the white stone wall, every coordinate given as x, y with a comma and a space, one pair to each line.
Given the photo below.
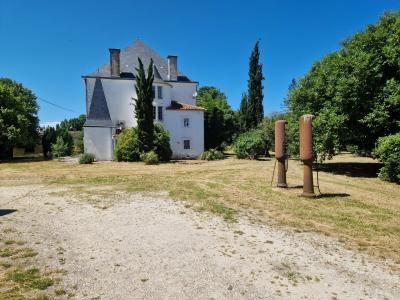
98, 141
195, 132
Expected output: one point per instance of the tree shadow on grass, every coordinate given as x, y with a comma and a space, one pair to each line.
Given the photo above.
4, 212
332, 195
352, 169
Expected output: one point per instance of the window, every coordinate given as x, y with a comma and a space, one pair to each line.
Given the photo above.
185, 122
154, 112
160, 113
154, 92
159, 92
186, 144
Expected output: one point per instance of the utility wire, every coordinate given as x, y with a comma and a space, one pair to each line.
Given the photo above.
56, 105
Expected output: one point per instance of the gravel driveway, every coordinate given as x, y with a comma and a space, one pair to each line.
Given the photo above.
150, 247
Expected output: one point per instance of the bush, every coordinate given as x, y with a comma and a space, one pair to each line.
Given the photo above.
149, 158
87, 158
250, 144
60, 148
127, 147
388, 152
161, 143
67, 138
211, 154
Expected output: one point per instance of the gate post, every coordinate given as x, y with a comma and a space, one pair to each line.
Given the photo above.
280, 152
306, 155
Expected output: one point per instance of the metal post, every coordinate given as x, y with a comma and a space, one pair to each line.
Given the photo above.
306, 155
280, 153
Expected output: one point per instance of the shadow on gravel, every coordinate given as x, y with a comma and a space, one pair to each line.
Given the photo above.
4, 212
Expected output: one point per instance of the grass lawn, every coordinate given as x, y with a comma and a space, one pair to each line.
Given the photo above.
358, 208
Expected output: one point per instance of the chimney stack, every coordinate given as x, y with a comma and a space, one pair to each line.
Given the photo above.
172, 67
114, 62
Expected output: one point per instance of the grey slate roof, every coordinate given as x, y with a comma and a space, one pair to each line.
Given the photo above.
129, 61
99, 123
98, 105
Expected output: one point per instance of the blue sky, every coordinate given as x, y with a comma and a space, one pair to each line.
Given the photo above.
49, 45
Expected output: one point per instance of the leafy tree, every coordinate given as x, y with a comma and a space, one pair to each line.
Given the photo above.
255, 110
49, 138
388, 152
18, 117
75, 124
250, 145
354, 92
66, 137
144, 106
60, 148
220, 121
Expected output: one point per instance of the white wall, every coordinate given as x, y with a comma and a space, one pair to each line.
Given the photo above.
195, 132
98, 141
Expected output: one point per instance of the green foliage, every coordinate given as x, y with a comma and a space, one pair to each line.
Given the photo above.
67, 138
354, 93
127, 147
149, 158
87, 158
78, 142
267, 126
243, 114
220, 121
161, 143
49, 138
74, 124
255, 110
30, 278
250, 144
59, 148
388, 152
18, 117
211, 154
144, 106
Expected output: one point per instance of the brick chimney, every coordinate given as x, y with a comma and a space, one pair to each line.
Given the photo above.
172, 67
114, 62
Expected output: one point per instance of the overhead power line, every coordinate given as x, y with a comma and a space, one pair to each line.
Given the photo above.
56, 105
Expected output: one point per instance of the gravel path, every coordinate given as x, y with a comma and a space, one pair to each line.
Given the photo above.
150, 247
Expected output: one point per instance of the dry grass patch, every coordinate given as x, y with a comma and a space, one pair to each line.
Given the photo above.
361, 210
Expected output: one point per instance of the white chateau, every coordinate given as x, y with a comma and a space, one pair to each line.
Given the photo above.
110, 106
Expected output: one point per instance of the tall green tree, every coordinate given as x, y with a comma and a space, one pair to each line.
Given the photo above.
18, 117
243, 113
354, 92
144, 106
255, 110
75, 124
220, 121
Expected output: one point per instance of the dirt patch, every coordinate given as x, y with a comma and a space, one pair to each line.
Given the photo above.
149, 246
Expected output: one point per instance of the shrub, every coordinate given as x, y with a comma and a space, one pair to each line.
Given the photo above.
60, 148
149, 158
127, 147
161, 143
388, 152
87, 158
250, 144
67, 138
212, 154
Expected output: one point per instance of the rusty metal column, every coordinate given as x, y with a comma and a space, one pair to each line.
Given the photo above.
306, 155
280, 153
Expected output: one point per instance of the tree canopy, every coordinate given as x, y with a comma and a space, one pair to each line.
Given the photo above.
18, 116
354, 92
220, 121
144, 106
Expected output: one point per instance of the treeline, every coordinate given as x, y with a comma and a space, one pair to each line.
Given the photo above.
65, 139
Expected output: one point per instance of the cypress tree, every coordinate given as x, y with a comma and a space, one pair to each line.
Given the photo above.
144, 106
255, 109
243, 113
